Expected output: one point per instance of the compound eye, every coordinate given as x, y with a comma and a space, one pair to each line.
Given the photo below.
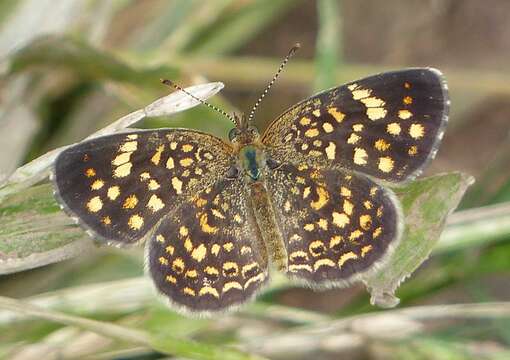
232, 134
232, 172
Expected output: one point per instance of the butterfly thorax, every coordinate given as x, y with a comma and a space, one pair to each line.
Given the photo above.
251, 159
252, 166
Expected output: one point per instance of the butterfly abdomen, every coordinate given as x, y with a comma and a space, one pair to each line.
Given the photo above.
266, 221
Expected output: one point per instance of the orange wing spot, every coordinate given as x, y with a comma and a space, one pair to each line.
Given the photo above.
297, 255
230, 269
404, 114
407, 85
297, 267
316, 248
323, 224
177, 185
90, 172
309, 227
209, 290
97, 184
205, 225
153, 185
228, 247
130, 202
353, 139
323, 262
113, 192
346, 192
373, 102
355, 234
122, 158
365, 221
187, 147
95, 204
357, 127
345, 257
106, 220
386, 164
135, 222
361, 93
171, 279
416, 131
377, 232
311, 132
340, 219
186, 162
305, 121
327, 127
382, 145
86, 157
170, 249
338, 115
365, 250
335, 240
331, 150
199, 253
155, 203
156, 158
163, 261
348, 207
393, 129
407, 100
413, 150
123, 170
178, 265
129, 146
322, 200
231, 285
360, 156
189, 291
376, 113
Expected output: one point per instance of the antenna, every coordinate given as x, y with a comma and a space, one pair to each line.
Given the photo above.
175, 86
266, 90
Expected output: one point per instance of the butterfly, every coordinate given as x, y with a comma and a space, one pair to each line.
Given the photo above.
308, 197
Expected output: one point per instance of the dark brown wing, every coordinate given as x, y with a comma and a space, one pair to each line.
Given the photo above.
203, 257
387, 126
336, 224
120, 186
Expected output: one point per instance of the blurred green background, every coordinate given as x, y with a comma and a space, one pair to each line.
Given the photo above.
70, 67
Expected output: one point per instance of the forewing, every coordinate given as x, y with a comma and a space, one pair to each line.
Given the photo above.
388, 125
119, 186
204, 256
336, 225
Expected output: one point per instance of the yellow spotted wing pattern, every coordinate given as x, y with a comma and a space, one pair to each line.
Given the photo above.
120, 186
387, 126
336, 224
308, 195
205, 256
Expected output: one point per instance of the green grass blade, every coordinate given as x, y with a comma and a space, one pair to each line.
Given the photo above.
329, 43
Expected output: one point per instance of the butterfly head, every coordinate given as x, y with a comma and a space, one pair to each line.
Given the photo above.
244, 132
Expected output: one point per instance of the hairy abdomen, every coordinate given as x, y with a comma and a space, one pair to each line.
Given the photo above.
266, 221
